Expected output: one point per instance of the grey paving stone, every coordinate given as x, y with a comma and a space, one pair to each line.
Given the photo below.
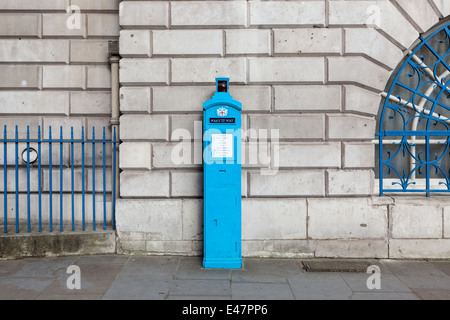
45, 267
23, 288
443, 266
388, 283
99, 259
191, 268
261, 291
276, 267
418, 274
8, 267
95, 278
384, 296
151, 265
320, 286
432, 294
245, 276
201, 288
127, 287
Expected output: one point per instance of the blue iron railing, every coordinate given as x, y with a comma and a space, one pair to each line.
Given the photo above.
414, 136
42, 159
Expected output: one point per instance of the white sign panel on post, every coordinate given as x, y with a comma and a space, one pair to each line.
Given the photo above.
222, 145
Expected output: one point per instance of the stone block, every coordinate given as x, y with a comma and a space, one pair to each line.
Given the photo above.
205, 70
278, 248
144, 14
187, 183
181, 98
305, 13
310, 155
192, 219
419, 221
346, 218
20, 24
144, 71
273, 219
103, 25
307, 97
99, 5
303, 127
446, 222
262, 70
135, 155
288, 183
20, 77
348, 126
98, 77
70, 77
419, 248
209, 13
443, 6
378, 14
88, 51
421, 13
308, 41
34, 50
29, 102
144, 184
359, 155
134, 99
187, 42
144, 127
21, 123
90, 103
248, 41
160, 219
350, 182
186, 128
355, 69
58, 25
135, 43
361, 100
381, 49
253, 98
178, 155
47, 5
66, 123
356, 249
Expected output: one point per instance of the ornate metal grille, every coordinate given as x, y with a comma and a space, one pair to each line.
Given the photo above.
414, 131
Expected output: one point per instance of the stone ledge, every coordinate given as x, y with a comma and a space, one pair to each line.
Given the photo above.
57, 244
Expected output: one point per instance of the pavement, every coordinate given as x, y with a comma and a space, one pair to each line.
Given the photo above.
125, 277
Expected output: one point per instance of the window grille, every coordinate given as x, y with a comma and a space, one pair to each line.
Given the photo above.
414, 123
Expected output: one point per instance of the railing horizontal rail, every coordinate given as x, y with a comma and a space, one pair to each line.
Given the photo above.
43, 164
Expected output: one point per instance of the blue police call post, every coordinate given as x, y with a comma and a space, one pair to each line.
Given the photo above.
222, 179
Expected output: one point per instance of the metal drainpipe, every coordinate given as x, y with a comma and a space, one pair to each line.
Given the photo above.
114, 58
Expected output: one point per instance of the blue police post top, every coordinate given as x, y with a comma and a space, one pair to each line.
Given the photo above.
222, 179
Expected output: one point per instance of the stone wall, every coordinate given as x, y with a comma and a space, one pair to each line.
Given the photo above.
54, 71
309, 75
313, 70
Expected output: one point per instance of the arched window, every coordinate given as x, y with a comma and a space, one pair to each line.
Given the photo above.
414, 123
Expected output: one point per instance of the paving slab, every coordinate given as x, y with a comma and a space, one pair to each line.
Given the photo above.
384, 296
388, 283
432, 294
191, 268
274, 267
320, 286
261, 291
418, 274
183, 278
151, 265
127, 287
201, 288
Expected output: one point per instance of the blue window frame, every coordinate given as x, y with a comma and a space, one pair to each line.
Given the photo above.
414, 123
